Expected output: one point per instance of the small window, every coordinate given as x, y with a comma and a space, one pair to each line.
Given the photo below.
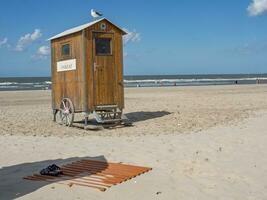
103, 46
103, 26
65, 50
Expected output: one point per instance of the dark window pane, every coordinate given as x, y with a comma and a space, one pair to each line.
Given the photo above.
103, 46
65, 50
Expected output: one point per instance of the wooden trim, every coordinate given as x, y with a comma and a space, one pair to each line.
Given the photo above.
92, 66
62, 57
52, 49
122, 71
103, 32
84, 72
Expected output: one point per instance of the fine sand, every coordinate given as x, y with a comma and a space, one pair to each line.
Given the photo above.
205, 142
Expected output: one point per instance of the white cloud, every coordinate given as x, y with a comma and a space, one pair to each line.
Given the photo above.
257, 7
132, 36
28, 39
43, 50
3, 42
42, 53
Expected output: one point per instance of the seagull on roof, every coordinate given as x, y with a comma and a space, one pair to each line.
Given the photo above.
95, 14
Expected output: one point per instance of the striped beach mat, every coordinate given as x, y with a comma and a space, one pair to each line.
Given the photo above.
91, 173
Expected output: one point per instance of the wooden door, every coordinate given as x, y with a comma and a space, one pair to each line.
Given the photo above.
104, 69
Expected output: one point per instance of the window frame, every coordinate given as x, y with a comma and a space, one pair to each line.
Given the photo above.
110, 45
63, 57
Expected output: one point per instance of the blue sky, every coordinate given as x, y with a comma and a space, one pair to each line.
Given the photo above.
166, 37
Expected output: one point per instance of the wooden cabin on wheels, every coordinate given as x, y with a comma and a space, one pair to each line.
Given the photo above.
87, 72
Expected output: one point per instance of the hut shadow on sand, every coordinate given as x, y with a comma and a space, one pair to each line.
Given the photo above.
132, 117
143, 116
12, 184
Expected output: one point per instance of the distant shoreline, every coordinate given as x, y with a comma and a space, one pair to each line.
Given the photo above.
160, 75
44, 83
204, 85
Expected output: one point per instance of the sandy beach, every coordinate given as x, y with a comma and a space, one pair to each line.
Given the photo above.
204, 142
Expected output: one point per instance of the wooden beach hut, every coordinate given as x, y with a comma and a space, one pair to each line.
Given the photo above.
87, 72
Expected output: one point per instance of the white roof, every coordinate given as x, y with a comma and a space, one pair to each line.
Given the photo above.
80, 28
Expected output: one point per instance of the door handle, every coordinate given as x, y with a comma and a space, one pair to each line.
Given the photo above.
95, 66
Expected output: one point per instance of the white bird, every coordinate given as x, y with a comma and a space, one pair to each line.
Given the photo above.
95, 14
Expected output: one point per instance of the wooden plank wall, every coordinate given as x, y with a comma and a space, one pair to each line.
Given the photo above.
69, 83
118, 79
119, 64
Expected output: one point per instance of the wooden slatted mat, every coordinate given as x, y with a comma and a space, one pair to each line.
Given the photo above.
95, 174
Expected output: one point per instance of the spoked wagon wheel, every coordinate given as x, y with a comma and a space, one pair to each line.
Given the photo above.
66, 112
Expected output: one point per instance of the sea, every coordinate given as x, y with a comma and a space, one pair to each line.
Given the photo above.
44, 83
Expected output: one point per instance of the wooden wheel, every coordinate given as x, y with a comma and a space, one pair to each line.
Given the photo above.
66, 112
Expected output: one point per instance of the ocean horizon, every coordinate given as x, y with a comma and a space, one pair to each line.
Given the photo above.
44, 83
